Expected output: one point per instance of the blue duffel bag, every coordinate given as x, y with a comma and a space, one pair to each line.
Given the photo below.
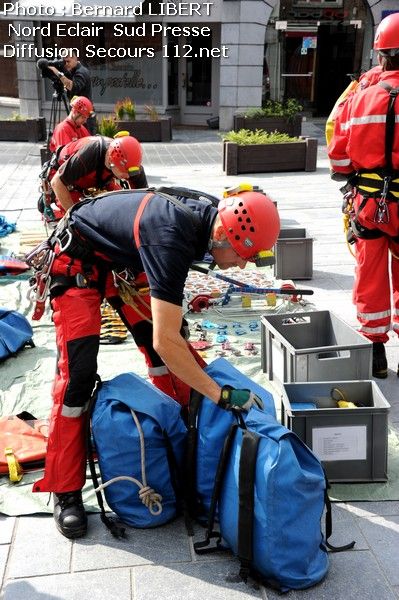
270, 492
15, 333
208, 426
140, 440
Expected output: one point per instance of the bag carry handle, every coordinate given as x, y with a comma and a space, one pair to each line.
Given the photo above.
202, 547
327, 503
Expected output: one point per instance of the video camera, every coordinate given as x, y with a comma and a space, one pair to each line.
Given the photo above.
43, 64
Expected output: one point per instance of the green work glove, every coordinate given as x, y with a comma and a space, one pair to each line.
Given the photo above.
240, 399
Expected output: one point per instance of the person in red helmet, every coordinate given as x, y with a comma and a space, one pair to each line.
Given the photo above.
95, 164
72, 128
149, 239
364, 150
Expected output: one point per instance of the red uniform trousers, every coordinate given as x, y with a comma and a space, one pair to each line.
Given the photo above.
376, 272
77, 320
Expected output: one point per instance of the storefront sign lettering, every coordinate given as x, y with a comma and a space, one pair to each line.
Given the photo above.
134, 80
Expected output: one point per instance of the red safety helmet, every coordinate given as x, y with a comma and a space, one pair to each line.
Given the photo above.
386, 38
252, 224
125, 153
83, 106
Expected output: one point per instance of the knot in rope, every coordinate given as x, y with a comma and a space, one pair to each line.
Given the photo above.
151, 499
148, 496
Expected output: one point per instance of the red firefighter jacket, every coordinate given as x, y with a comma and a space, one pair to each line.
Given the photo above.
66, 132
358, 142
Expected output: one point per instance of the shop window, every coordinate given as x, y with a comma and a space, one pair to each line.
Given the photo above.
322, 3
173, 71
134, 71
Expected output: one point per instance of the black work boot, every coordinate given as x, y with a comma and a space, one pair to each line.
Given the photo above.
69, 514
380, 364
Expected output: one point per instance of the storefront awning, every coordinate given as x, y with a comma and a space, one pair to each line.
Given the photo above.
68, 10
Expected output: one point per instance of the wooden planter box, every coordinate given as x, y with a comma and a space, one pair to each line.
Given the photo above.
268, 158
148, 131
29, 130
292, 127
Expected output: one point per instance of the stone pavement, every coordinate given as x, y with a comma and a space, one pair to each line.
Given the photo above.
37, 563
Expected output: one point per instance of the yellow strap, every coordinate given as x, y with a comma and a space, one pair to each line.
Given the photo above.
15, 471
375, 177
237, 189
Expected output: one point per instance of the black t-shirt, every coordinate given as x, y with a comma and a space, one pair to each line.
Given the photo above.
86, 165
171, 236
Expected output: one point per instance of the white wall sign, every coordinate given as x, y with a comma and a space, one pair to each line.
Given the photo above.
340, 443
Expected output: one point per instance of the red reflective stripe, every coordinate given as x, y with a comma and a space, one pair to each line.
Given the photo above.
137, 218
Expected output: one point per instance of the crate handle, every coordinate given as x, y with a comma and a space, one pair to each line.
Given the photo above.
294, 242
296, 320
342, 355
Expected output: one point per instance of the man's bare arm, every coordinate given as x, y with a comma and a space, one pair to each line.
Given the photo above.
61, 192
173, 350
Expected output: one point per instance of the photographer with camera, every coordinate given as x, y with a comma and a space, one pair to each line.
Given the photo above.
69, 74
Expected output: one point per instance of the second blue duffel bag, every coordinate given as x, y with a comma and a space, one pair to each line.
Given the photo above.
140, 438
270, 492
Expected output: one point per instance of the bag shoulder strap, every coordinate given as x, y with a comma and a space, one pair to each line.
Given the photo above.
116, 530
191, 453
203, 547
246, 498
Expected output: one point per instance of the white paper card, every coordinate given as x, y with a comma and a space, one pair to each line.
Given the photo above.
340, 443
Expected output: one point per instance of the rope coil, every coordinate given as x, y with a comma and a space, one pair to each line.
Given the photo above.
148, 496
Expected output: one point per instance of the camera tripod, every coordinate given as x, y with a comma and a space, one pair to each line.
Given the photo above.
59, 98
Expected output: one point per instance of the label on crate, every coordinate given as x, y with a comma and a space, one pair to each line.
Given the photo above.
340, 443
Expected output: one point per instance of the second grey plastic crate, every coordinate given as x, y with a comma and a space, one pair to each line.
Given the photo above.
294, 255
352, 443
313, 346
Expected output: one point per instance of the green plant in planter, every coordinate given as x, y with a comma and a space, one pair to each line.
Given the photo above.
245, 137
273, 108
16, 117
151, 112
125, 109
108, 126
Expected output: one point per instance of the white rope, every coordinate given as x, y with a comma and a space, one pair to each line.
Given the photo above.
148, 496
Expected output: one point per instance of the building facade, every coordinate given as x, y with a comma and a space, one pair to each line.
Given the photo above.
193, 60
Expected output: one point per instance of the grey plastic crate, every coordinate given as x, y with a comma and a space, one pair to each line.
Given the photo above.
292, 232
313, 346
294, 255
352, 443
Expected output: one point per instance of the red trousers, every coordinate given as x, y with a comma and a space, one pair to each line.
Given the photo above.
377, 270
77, 320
